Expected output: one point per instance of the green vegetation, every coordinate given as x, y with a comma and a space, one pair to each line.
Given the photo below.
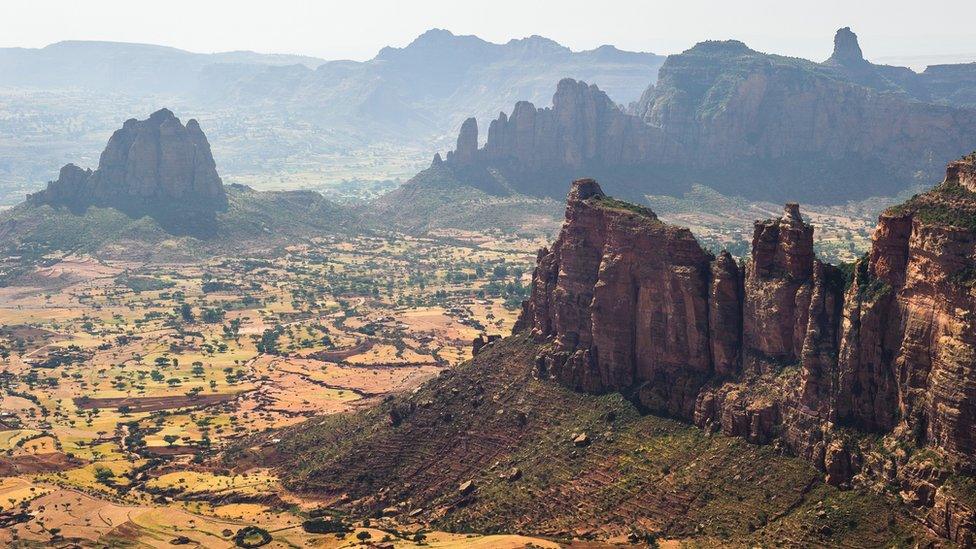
615, 204
324, 525
949, 203
732, 492
144, 283
252, 536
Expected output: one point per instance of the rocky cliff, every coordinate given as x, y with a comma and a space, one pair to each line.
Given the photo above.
811, 124
147, 164
743, 122
534, 150
869, 371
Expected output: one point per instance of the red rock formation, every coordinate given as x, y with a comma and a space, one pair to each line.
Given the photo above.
777, 288
624, 298
725, 309
779, 349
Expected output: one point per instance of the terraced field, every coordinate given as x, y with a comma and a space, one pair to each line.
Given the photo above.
488, 448
121, 381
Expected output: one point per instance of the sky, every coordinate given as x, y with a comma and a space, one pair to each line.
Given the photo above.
357, 29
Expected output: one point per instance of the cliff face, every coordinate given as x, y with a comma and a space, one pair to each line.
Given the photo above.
743, 122
732, 106
153, 162
784, 348
647, 319
582, 128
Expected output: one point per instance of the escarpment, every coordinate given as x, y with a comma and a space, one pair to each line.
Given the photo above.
742, 122
869, 372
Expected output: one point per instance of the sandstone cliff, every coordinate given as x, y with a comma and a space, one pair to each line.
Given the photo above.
157, 162
868, 372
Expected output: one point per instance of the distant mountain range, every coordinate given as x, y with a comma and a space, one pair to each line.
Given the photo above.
746, 123
284, 116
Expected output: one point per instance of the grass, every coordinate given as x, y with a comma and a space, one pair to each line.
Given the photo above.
615, 204
643, 471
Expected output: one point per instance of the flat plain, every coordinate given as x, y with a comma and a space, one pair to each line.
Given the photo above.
120, 380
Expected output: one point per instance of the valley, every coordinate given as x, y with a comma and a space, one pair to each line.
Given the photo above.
462, 293
122, 379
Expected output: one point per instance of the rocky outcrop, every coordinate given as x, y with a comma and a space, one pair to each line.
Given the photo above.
645, 284
467, 143
846, 49
479, 343
777, 288
147, 163
582, 128
840, 368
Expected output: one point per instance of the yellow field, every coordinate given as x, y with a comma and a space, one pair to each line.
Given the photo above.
126, 380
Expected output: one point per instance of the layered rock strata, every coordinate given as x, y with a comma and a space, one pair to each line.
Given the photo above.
868, 372
740, 121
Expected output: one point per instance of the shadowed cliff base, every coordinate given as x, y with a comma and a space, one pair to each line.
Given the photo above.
547, 461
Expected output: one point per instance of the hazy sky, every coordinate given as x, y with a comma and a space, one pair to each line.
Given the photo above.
356, 29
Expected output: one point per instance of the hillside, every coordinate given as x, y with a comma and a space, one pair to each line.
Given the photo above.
467, 199
862, 371
494, 423
252, 222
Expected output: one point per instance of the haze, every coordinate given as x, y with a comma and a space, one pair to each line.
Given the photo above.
895, 30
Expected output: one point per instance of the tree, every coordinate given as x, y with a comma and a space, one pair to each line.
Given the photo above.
170, 439
212, 316
104, 475
186, 312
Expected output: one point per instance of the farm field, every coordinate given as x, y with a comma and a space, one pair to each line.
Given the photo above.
121, 381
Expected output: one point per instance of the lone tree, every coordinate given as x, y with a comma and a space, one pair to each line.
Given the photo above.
104, 475
186, 312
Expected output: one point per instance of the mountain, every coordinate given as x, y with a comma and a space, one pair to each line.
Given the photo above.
118, 67
792, 129
526, 158
147, 165
745, 123
304, 118
865, 372
156, 193
834, 364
